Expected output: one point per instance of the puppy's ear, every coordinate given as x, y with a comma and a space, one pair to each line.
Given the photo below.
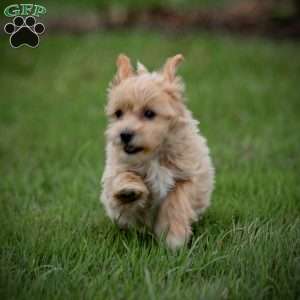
170, 67
124, 68
141, 69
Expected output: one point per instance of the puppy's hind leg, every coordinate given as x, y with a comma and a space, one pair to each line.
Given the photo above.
175, 216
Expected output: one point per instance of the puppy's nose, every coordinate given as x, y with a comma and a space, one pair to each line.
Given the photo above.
126, 136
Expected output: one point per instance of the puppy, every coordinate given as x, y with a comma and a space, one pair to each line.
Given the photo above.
158, 169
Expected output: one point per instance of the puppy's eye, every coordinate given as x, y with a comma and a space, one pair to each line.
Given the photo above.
118, 114
149, 114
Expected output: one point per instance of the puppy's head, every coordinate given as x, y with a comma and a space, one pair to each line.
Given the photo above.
143, 107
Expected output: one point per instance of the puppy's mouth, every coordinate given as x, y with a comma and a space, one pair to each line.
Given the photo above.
129, 149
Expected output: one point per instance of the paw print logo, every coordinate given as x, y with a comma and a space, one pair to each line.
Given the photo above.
24, 32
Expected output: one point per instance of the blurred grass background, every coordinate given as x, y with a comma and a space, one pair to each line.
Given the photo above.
56, 7
130, 4
55, 240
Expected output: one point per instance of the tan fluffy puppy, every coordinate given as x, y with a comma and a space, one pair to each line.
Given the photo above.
158, 170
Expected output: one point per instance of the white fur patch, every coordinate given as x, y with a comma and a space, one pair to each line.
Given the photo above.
160, 179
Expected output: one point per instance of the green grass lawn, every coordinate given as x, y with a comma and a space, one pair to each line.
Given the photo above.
55, 240
54, 7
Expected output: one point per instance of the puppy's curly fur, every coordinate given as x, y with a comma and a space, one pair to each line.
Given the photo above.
158, 170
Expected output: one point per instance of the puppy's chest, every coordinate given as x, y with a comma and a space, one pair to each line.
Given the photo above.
160, 180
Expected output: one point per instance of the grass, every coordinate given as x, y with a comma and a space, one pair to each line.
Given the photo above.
57, 243
54, 6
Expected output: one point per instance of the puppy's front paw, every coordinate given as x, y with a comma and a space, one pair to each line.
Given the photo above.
128, 195
130, 188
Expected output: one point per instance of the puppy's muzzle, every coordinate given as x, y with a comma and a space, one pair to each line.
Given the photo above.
126, 137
